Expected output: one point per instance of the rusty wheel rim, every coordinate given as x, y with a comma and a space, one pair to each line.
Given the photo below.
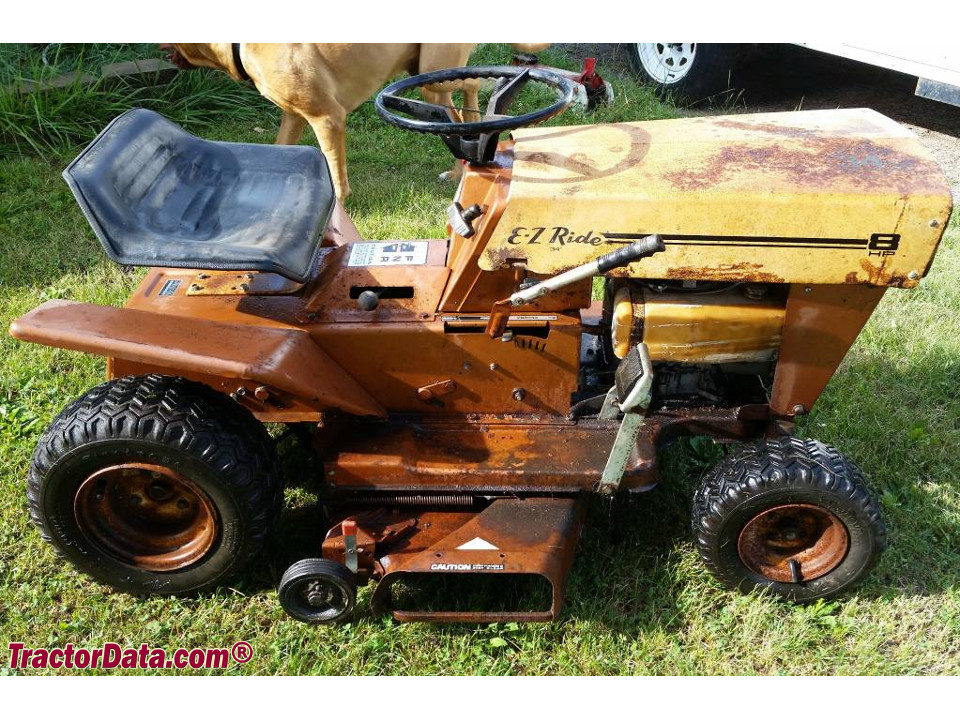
147, 516
793, 543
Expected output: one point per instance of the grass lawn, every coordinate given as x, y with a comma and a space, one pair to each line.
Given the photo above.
638, 599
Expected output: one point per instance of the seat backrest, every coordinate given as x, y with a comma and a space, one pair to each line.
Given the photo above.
156, 195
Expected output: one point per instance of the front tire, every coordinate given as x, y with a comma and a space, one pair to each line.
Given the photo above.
790, 515
155, 484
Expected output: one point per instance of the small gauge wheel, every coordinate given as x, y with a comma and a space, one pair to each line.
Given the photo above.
318, 591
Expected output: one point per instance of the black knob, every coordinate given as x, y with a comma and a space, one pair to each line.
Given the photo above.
368, 300
462, 220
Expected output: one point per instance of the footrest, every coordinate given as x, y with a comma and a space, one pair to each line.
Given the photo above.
447, 457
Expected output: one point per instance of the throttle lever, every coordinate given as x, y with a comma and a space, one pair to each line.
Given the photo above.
644, 247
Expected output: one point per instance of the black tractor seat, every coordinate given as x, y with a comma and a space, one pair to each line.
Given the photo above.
156, 195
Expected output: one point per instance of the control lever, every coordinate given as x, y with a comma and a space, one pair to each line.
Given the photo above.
500, 313
633, 388
462, 220
349, 530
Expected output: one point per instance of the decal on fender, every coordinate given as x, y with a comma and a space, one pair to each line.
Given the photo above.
169, 288
402, 252
558, 236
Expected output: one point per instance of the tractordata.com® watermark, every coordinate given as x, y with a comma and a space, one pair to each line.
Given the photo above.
112, 656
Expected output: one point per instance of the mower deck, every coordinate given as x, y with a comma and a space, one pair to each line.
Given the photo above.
509, 538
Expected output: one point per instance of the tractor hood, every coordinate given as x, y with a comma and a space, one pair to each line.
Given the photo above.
825, 196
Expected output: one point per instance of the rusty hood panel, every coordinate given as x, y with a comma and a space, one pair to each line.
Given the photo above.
825, 196
285, 359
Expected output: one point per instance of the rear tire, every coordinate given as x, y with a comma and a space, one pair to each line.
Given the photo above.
689, 71
790, 515
155, 484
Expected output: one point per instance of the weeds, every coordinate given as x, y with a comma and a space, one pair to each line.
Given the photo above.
57, 120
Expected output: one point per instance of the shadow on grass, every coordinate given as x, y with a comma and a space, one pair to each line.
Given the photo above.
900, 423
783, 77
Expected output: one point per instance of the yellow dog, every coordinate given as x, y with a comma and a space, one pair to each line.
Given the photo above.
319, 84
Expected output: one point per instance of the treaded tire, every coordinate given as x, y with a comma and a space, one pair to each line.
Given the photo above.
170, 422
330, 573
708, 76
773, 473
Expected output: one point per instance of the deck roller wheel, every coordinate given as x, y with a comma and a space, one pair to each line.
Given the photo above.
318, 591
790, 515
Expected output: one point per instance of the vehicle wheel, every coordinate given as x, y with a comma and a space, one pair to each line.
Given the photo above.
155, 484
318, 591
691, 71
790, 515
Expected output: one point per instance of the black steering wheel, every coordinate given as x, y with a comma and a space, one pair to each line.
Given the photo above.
475, 142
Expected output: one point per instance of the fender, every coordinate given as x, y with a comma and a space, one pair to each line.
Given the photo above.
283, 358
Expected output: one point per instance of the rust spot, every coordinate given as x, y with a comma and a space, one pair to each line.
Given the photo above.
875, 275
878, 276
744, 271
818, 161
881, 276
532, 157
869, 269
779, 130
501, 256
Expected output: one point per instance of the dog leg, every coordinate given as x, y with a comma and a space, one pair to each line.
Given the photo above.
331, 133
453, 174
291, 128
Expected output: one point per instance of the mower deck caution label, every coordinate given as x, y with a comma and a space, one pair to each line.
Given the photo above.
465, 567
402, 252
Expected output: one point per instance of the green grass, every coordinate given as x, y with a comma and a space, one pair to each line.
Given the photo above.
638, 601
55, 122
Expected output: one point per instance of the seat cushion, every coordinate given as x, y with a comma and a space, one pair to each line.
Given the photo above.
156, 195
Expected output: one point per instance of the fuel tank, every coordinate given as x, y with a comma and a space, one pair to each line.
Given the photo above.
729, 325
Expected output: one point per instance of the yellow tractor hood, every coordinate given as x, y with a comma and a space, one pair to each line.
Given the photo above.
824, 196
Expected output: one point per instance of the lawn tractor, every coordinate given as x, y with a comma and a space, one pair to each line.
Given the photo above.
467, 396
